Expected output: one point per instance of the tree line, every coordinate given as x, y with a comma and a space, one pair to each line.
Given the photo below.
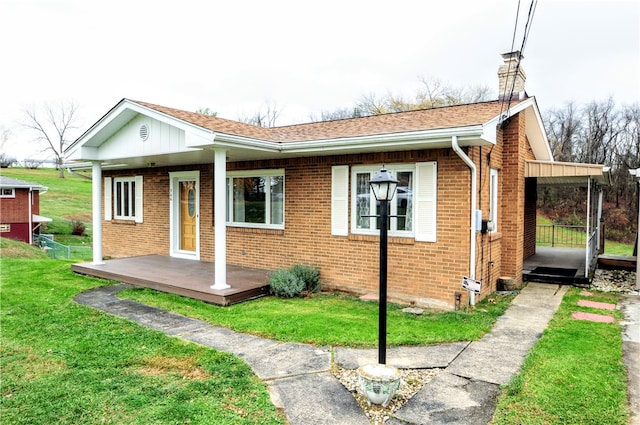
599, 132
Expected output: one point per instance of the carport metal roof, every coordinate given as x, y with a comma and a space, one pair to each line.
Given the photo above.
566, 173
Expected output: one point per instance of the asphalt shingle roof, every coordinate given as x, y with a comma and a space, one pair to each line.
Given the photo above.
420, 120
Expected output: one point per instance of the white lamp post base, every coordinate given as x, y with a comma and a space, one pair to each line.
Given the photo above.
379, 382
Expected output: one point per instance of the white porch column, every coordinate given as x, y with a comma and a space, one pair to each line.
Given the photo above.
96, 208
599, 220
636, 173
220, 218
587, 255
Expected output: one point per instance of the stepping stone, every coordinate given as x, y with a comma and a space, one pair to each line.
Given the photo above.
413, 310
579, 315
369, 297
595, 304
586, 293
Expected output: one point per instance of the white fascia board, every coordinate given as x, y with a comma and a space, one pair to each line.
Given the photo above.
535, 127
397, 141
232, 141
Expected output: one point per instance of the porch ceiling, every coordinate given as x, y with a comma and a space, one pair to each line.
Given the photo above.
550, 173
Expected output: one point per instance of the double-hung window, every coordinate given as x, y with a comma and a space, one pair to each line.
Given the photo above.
366, 210
123, 198
413, 209
256, 198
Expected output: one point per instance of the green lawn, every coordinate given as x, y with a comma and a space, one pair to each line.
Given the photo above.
574, 374
610, 247
64, 363
333, 319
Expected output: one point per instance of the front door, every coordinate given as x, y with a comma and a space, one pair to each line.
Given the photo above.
185, 214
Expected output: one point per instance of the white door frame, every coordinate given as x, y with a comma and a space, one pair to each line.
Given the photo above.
174, 213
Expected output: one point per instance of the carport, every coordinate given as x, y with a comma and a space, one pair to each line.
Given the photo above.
564, 264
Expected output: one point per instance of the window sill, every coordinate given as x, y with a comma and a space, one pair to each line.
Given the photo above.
392, 240
121, 221
255, 230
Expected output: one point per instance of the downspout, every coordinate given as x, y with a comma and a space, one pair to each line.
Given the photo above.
472, 231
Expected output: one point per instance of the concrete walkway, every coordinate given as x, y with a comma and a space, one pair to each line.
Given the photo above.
630, 307
301, 383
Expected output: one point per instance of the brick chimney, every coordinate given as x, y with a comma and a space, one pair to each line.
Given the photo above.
509, 71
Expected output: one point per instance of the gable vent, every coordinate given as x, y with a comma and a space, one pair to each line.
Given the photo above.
144, 132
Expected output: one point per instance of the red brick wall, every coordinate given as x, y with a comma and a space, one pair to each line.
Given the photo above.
15, 210
516, 150
426, 273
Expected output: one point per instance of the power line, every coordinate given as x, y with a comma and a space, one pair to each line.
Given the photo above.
527, 30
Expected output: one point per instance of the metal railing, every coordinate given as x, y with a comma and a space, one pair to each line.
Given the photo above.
556, 235
58, 250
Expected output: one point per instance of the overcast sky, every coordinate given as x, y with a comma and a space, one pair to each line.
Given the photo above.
306, 57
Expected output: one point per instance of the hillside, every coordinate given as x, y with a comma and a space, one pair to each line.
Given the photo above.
66, 200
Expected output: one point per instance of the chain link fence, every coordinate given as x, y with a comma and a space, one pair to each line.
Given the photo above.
58, 250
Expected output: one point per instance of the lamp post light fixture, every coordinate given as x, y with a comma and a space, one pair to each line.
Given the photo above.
380, 382
383, 185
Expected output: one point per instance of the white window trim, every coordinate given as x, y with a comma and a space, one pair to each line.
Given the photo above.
136, 198
256, 173
12, 195
394, 168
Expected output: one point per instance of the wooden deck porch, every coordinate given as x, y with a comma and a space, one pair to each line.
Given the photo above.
188, 278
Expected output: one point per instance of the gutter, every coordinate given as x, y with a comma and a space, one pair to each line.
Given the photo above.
472, 231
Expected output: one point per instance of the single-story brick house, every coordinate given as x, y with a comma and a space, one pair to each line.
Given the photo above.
170, 179
20, 209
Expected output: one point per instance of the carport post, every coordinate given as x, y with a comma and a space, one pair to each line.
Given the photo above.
636, 173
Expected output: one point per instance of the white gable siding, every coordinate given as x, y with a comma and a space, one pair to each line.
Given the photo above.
162, 139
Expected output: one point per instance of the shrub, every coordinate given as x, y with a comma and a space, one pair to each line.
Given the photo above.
285, 284
309, 275
77, 228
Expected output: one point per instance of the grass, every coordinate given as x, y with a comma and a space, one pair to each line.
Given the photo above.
66, 363
10, 248
67, 199
574, 375
333, 319
610, 247
63, 363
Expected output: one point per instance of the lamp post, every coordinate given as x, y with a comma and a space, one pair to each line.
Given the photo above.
384, 187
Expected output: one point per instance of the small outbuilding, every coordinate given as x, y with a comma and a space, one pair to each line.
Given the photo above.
20, 209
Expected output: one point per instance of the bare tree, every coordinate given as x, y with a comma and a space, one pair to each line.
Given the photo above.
563, 130
432, 93
5, 159
53, 125
207, 111
266, 116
